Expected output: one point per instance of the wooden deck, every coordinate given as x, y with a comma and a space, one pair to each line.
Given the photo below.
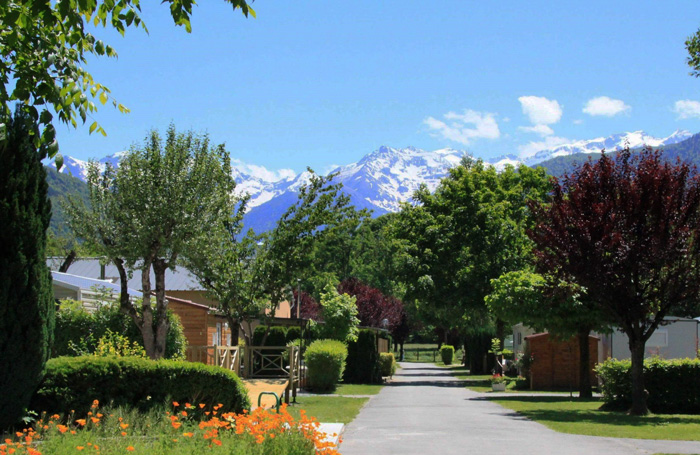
255, 386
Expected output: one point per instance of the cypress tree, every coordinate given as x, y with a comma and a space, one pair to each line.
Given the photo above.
26, 300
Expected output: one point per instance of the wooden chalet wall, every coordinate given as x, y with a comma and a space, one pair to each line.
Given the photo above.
200, 325
556, 363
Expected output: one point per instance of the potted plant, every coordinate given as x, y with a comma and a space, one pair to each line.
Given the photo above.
498, 383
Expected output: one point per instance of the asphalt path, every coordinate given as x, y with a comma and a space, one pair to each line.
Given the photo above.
426, 410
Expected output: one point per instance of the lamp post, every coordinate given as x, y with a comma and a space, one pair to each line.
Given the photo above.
298, 296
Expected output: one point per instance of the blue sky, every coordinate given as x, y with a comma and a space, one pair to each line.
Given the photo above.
318, 83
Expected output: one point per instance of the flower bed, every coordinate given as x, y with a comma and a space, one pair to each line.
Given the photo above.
172, 432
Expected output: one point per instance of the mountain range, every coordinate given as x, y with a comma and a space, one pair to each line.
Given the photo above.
385, 178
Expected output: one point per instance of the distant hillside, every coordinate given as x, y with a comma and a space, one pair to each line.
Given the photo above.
688, 150
60, 186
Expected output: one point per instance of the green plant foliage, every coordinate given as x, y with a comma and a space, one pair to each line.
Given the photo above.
293, 333
78, 331
325, 361
339, 314
72, 383
673, 385
363, 360
44, 47
276, 336
26, 297
447, 354
387, 363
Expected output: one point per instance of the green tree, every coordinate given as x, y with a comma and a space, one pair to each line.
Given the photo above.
26, 297
692, 45
44, 46
249, 274
339, 314
561, 308
471, 230
152, 210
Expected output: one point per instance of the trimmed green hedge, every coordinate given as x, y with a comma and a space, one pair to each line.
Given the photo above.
276, 337
363, 360
387, 363
673, 385
72, 383
325, 362
447, 353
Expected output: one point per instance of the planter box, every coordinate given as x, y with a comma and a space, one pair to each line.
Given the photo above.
499, 387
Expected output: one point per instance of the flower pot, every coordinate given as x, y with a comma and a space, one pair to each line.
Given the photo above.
499, 387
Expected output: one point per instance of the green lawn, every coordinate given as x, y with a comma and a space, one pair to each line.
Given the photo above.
328, 409
583, 417
358, 389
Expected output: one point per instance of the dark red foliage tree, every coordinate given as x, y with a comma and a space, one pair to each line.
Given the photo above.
626, 228
374, 308
309, 309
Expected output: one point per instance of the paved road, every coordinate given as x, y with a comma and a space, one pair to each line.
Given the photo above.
428, 411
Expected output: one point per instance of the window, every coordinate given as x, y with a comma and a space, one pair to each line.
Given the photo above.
658, 339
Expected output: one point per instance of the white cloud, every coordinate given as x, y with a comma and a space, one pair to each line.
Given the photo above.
261, 172
687, 109
540, 110
578, 122
542, 130
528, 150
457, 128
605, 106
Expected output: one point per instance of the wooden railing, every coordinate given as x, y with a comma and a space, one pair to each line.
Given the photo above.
223, 356
254, 362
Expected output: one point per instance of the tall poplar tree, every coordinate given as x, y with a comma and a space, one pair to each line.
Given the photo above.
26, 297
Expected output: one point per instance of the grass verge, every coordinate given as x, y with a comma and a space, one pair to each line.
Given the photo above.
584, 417
358, 389
328, 409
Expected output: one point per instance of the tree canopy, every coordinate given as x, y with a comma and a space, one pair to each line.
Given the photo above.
44, 47
454, 241
627, 230
150, 212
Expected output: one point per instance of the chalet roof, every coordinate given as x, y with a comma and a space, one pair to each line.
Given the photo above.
80, 282
179, 279
189, 302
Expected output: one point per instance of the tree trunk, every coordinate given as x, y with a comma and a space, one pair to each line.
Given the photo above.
70, 258
584, 374
125, 305
147, 312
234, 328
639, 394
162, 326
401, 352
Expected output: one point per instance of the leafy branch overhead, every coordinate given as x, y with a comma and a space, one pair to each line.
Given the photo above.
44, 47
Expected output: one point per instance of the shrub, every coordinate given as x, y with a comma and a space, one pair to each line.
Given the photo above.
277, 336
521, 383
339, 314
72, 383
447, 353
673, 385
78, 331
387, 363
363, 360
26, 297
325, 361
293, 333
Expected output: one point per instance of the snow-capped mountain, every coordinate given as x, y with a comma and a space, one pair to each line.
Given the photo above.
611, 143
388, 176
78, 168
383, 179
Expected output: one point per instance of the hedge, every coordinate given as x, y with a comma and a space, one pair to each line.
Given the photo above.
72, 383
447, 353
363, 360
387, 363
673, 385
276, 337
325, 362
